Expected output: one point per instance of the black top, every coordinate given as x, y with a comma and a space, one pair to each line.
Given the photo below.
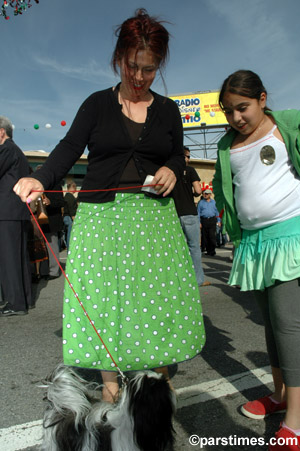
99, 126
54, 210
130, 176
13, 166
183, 193
70, 205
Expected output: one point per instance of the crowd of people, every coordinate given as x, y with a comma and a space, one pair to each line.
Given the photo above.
135, 256
26, 257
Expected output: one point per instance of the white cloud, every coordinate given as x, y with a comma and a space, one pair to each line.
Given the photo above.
90, 71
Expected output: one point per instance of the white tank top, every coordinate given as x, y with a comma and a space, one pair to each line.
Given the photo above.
265, 191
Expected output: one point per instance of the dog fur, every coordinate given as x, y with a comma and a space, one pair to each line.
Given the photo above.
77, 420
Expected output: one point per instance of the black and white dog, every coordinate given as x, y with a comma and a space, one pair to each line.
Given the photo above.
77, 420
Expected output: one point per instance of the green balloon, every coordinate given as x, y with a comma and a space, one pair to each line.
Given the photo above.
197, 114
36, 126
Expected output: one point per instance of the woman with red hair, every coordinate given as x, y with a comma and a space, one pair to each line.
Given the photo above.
128, 259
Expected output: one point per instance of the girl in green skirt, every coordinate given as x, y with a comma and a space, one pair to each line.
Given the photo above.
257, 180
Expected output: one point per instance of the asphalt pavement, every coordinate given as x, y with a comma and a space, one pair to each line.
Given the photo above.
232, 369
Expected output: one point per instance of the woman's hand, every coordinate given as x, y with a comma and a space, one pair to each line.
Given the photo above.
25, 188
167, 178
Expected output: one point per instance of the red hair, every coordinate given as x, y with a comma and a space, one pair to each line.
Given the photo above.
141, 32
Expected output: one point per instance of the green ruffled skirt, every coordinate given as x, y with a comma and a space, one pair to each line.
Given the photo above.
130, 267
267, 255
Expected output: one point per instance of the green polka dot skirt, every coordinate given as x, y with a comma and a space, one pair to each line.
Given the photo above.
130, 267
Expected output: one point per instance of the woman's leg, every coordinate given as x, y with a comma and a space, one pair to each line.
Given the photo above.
262, 298
111, 387
279, 394
267, 405
292, 417
164, 370
284, 301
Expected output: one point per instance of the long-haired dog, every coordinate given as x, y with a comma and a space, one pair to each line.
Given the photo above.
77, 420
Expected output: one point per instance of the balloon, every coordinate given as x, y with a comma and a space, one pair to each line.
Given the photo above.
63, 123
36, 126
212, 113
48, 125
187, 116
197, 114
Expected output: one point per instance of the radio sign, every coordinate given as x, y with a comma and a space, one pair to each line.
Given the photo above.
200, 109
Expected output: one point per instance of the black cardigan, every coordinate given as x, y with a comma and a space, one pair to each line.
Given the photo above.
99, 126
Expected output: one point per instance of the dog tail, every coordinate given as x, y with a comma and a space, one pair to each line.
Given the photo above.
68, 392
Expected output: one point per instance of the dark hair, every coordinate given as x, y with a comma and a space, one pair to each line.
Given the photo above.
244, 83
186, 148
141, 32
70, 184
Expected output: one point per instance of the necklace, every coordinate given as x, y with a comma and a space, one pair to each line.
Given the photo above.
267, 153
136, 111
251, 138
124, 101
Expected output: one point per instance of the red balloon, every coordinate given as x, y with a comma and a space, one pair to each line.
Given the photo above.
63, 123
187, 116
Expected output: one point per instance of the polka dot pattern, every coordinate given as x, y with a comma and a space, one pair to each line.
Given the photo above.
130, 267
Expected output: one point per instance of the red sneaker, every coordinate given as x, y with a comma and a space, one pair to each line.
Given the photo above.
284, 440
262, 407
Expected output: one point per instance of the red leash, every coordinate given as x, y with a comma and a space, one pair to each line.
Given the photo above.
63, 272
95, 190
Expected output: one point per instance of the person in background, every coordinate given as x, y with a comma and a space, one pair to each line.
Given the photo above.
220, 234
186, 188
128, 259
36, 246
208, 215
54, 202
70, 207
14, 225
2, 302
257, 182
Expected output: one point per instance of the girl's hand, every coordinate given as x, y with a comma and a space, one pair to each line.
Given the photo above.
24, 189
167, 178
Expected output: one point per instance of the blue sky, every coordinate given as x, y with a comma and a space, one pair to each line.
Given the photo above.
58, 52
